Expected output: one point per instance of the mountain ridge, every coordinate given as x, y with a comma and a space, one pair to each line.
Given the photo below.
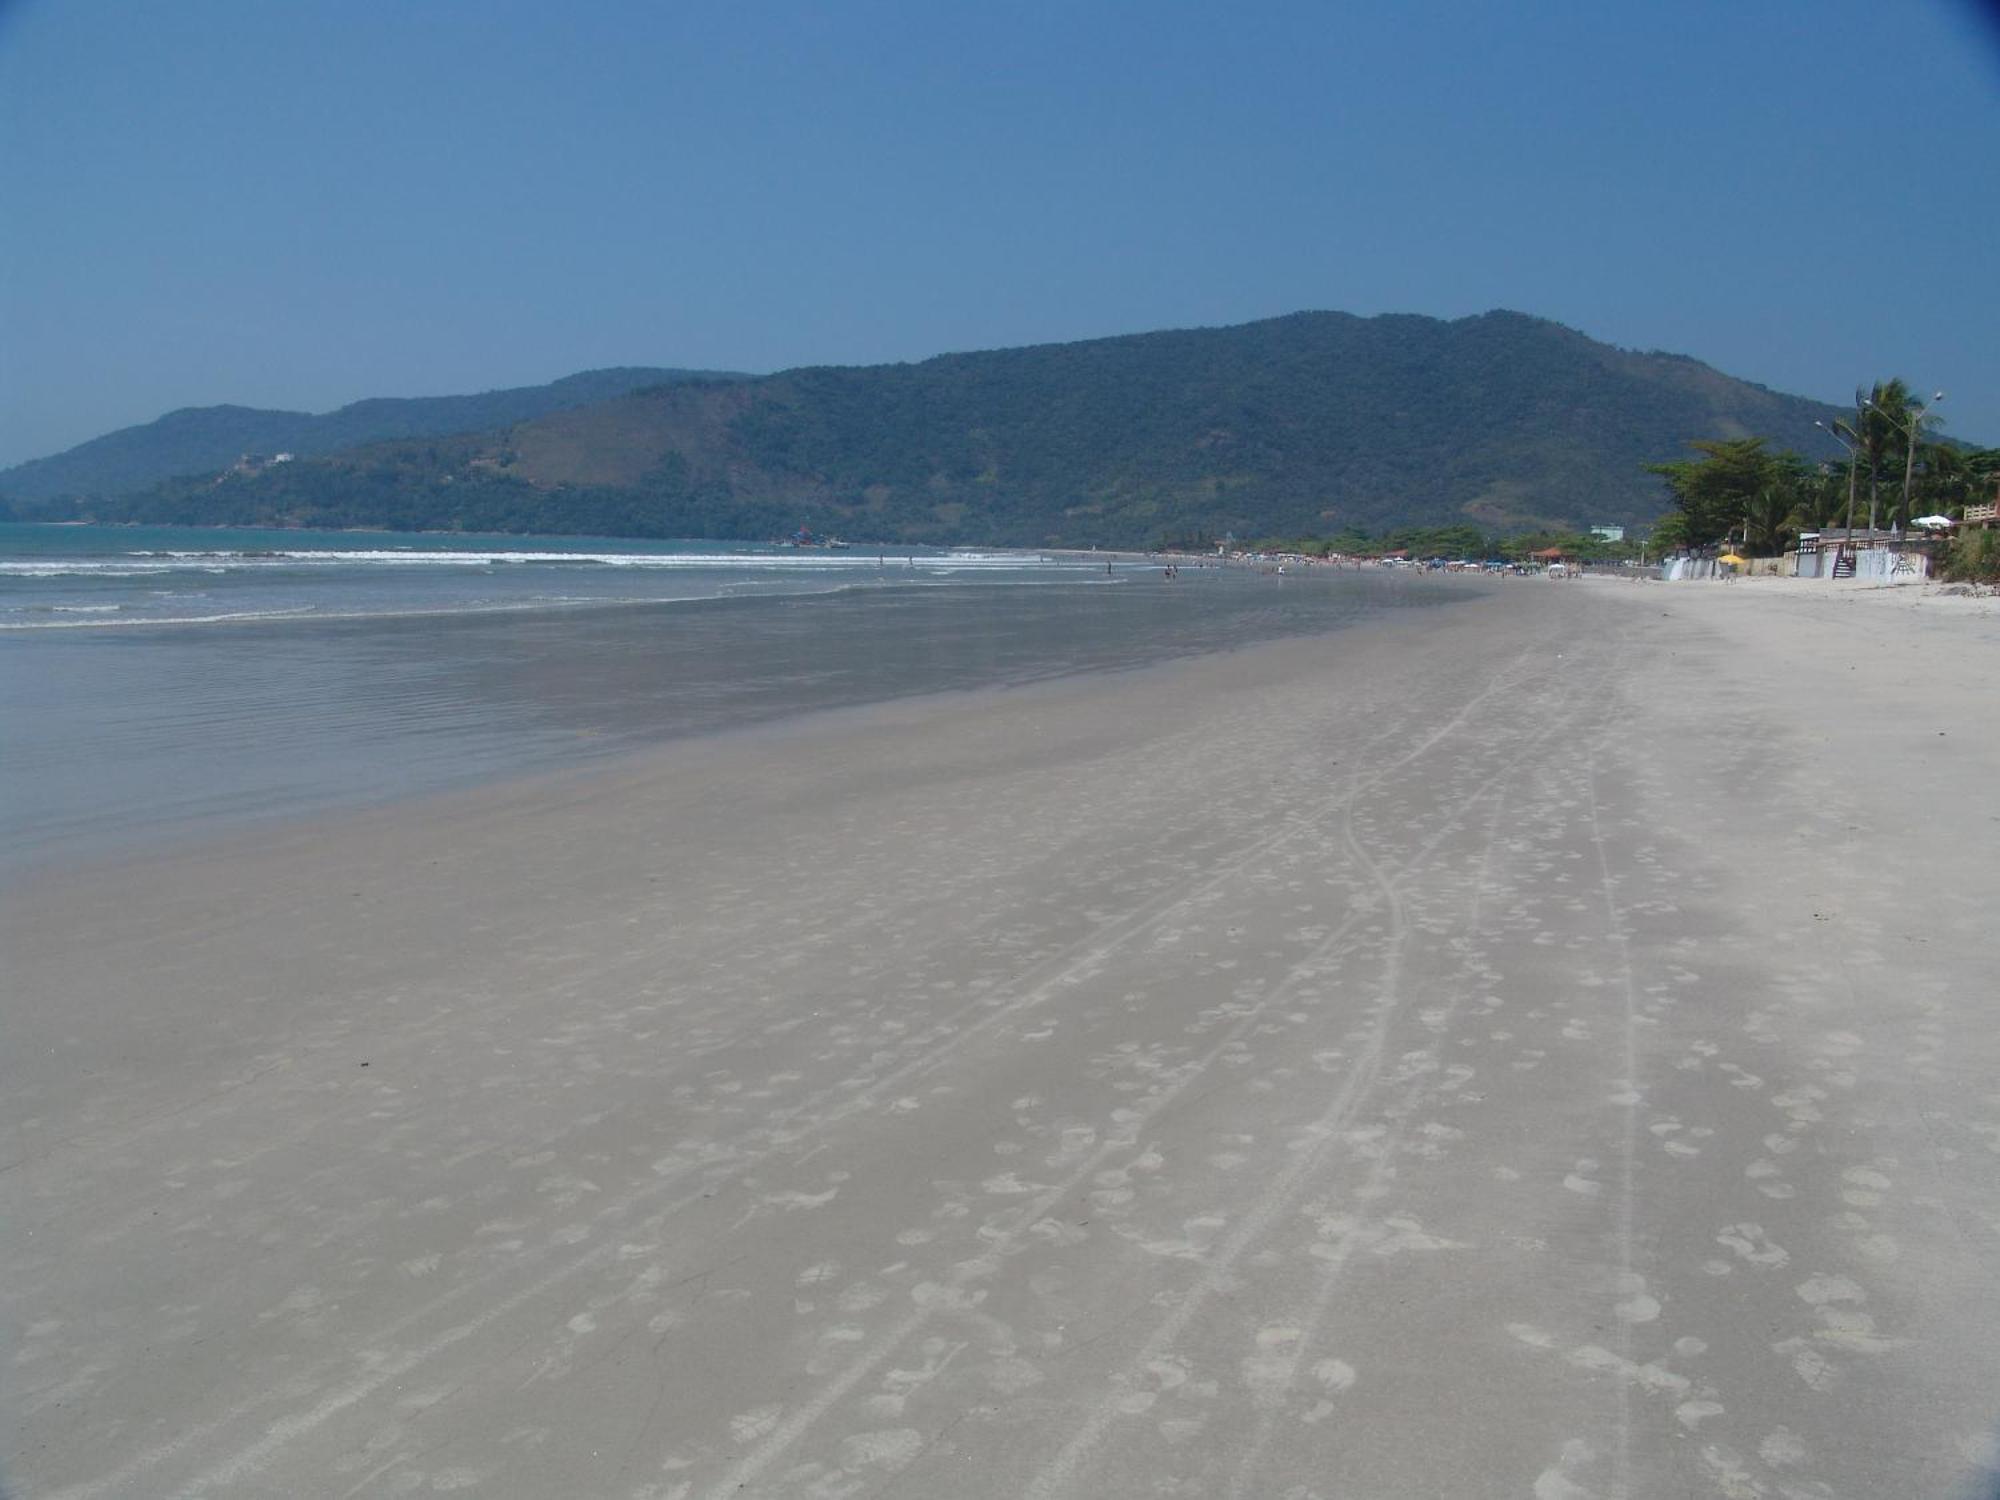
1298, 425
196, 439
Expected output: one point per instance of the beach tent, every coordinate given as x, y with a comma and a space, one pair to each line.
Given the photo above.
1548, 554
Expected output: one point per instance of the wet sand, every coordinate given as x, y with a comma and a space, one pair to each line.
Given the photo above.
1544, 1048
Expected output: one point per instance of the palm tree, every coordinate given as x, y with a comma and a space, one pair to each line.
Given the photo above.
1820, 493
1782, 503
1848, 435
1947, 481
1878, 413
1767, 519
1919, 417
1893, 423
1965, 477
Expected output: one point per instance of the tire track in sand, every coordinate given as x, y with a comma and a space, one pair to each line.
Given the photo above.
1073, 962
1218, 1272
1630, 1099
934, 1299
1336, 1261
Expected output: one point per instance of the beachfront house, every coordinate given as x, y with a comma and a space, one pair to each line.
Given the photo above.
1888, 556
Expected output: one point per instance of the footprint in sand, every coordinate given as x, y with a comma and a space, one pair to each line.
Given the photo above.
1751, 1243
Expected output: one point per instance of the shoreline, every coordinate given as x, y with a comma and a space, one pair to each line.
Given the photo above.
632, 767
653, 671
1465, 1055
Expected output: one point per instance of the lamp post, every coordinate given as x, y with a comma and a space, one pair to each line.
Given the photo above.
1910, 434
1853, 468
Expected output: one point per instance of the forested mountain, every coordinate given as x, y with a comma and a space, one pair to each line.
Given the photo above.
1295, 426
203, 439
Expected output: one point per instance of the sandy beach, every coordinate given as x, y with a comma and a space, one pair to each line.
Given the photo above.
1539, 1048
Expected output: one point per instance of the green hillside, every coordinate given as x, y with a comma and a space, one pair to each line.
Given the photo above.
201, 440
1304, 424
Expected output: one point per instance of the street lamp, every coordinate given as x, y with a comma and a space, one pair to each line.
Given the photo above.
1853, 467
1910, 434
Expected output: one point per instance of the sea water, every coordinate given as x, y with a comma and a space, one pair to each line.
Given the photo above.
158, 681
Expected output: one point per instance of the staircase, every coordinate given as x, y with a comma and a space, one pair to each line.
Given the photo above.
1843, 564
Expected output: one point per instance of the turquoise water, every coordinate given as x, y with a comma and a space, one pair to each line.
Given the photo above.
159, 682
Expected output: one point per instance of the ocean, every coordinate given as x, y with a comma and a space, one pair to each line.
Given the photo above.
161, 681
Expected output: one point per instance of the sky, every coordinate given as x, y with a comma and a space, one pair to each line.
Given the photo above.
302, 204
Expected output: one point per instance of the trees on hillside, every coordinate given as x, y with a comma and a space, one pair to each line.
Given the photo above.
1293, 427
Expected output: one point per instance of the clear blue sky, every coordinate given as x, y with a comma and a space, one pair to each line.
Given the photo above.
302, 203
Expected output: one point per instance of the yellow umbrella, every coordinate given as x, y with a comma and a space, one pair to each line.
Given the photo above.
1731, 557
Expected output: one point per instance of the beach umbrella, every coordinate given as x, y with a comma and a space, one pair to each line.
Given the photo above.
1731, 558
1934, 521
